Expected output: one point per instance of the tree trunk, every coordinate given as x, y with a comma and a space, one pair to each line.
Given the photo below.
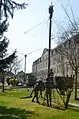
76, 85
67, 101
2, 83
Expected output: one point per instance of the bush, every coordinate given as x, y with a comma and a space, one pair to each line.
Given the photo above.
13, 81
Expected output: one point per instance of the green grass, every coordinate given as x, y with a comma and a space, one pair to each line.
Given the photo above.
12, 107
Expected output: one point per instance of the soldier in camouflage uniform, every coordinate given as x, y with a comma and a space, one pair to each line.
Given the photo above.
36, 90
49, 84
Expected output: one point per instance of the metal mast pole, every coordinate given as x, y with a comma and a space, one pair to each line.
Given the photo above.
25, 64
48, 88
50, 12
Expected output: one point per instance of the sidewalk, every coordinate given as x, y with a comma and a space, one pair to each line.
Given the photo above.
74, 105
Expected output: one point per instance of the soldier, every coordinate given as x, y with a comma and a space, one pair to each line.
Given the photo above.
51, 73
42, 88
49, 84
36, 89
48, 91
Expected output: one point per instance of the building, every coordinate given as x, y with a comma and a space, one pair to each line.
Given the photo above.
21, 77
58, 59
26, 79
31, 80
8, 75
40, 66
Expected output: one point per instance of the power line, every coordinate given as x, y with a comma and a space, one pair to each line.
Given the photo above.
35, 26
29, 52
25, 56
60, 29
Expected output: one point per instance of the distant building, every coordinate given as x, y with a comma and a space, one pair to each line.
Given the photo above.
40, 66
58, 62
24, 78
31, 80
21, 77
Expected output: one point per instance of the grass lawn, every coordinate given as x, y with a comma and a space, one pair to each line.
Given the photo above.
12, 107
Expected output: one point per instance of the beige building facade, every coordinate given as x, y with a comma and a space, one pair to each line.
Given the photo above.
58, 63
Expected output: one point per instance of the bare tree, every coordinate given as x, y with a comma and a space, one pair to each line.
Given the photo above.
15, 67
70, 45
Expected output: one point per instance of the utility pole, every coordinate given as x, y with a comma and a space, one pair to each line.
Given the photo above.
48, 89
25, 63
51, 13
25, 57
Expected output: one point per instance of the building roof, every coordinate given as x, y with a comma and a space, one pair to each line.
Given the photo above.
54, 50
21, 72
11, 74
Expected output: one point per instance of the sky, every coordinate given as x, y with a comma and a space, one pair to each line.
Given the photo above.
26, 37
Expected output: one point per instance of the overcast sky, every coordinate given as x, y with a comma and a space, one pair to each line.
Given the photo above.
36, 37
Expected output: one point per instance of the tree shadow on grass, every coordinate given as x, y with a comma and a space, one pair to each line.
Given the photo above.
58, 107
14, 113
54, 106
